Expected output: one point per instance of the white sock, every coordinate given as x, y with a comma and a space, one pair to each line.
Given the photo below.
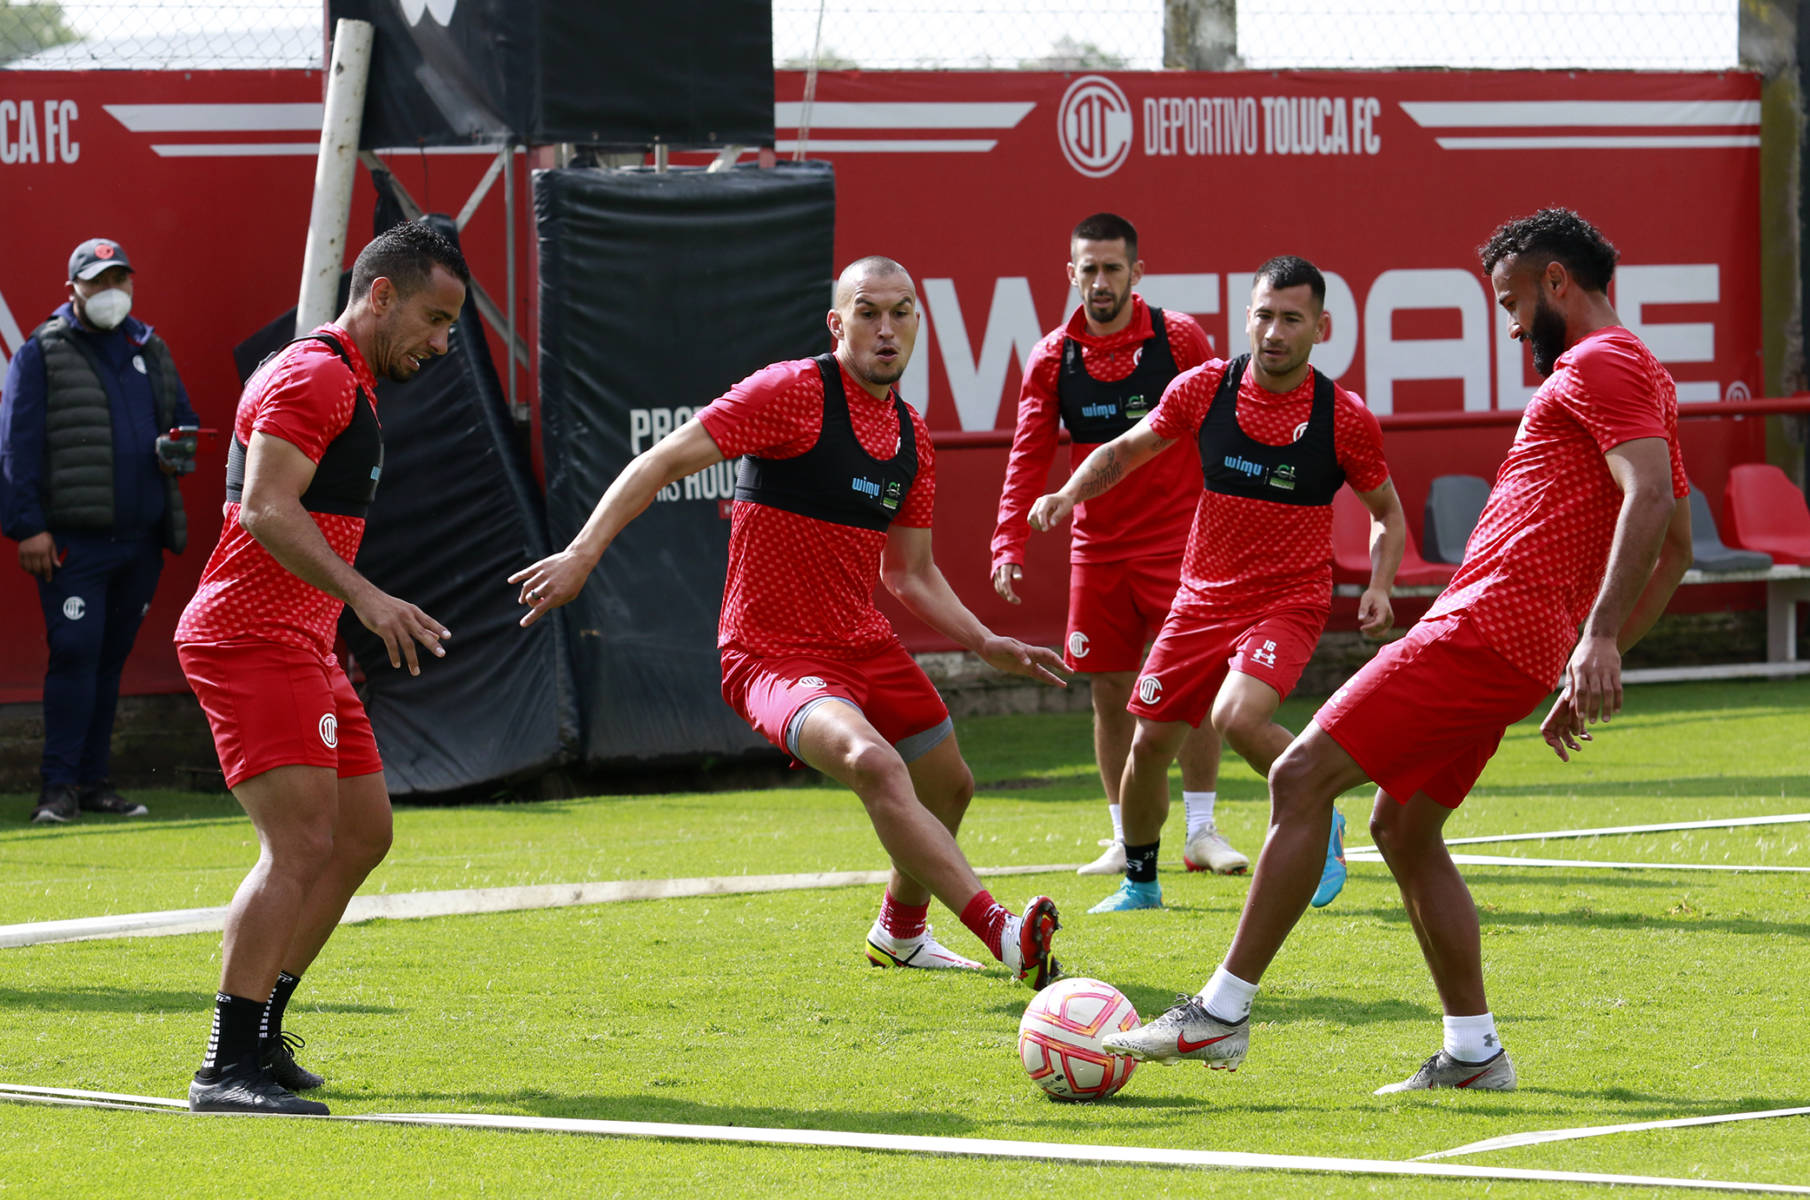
1228, 997
1200, 809
1118, 822
1472, 1039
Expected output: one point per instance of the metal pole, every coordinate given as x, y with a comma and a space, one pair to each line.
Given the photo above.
334, 171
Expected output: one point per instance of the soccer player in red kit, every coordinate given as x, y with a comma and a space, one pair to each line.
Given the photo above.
834, 494
1587, 525
1275, 439
256, 643
1097, 375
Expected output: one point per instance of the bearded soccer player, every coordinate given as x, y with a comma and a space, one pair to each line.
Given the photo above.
1275, 439
256, 643
1588, 525
1098, 375
834, 494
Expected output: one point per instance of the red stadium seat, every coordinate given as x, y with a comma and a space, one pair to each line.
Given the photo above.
1351, 549
1763, 510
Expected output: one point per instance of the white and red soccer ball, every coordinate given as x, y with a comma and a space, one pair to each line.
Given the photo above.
1059, 1039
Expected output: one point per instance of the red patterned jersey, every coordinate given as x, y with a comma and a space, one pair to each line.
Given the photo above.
798, 585
1535, 562
305, 396
1248, 557
1148, 514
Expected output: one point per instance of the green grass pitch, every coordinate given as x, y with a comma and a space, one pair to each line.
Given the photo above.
1624, 995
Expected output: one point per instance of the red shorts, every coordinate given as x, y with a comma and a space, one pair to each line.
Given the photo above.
1192, 657
272, 705
774, 695
1114, 609
1429, 710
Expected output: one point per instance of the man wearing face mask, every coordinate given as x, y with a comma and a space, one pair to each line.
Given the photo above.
88, 489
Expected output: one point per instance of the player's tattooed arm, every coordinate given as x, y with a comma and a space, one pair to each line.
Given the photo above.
1102, 471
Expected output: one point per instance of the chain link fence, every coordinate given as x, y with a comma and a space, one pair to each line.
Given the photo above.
172, 35
981, 34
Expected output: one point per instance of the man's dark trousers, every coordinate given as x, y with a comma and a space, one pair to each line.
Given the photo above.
93, 605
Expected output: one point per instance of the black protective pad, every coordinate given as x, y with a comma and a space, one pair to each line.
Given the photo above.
658, 292
689, 73
456, 513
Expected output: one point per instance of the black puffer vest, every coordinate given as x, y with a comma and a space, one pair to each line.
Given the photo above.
78, 435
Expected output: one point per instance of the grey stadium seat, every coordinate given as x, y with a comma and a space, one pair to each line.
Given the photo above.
1708, 551
1454, 503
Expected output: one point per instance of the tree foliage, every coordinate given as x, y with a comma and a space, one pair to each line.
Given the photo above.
28, 28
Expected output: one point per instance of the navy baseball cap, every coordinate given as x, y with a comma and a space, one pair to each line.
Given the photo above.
96, 255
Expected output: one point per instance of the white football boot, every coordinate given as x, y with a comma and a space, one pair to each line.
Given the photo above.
922, 951
1208, 850
1112, 862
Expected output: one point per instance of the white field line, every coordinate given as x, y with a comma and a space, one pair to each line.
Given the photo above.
1536, 1137
1718, 823
1369, 854
950, 1146
466, 902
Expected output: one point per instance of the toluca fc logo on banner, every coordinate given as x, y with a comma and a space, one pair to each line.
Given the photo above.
1150, 689
1094, 126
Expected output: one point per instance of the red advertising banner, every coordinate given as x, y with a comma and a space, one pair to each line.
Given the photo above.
206, 178
1387, 181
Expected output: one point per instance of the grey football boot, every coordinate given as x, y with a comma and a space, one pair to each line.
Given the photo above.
1494, 1074
1187, 1032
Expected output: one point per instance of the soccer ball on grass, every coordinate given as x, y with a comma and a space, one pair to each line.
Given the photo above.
1059, 1039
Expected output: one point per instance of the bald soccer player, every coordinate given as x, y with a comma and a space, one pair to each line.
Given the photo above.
834, 494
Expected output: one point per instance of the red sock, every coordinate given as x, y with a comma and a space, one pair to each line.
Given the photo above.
902, 920
986, 918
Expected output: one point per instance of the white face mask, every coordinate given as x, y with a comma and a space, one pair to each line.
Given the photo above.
105, 310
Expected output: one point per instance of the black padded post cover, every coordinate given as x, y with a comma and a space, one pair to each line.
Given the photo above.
657, 293
456, 512
693, 73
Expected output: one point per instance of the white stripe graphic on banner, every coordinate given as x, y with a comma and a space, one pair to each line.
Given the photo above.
235, 149
215, 118
833, 114
10, 337
1482, 114
888, 146
1682, 141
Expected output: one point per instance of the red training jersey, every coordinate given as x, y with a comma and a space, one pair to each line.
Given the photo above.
1146, 516
1248, 557
798, 585
305, 396
1535, 562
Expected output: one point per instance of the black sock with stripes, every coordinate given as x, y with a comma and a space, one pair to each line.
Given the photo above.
1140, 862
233, 1043
279, 1003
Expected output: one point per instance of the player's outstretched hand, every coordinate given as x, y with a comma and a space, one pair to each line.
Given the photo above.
1004, 576
1050, 511
1375, 613
1563, 729
401, 626
1016, 658
554, 580
1593, 679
